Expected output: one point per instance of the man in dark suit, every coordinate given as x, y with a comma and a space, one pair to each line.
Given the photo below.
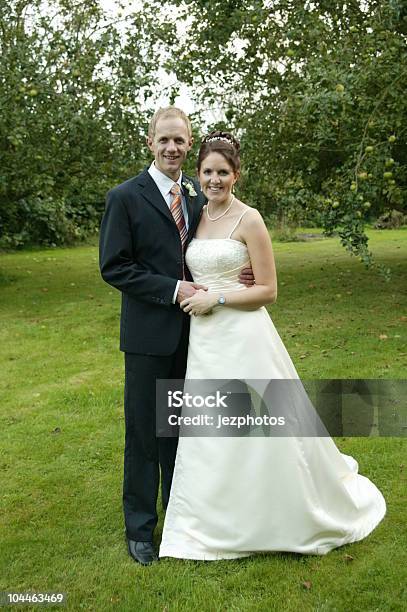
145, 230
148, 223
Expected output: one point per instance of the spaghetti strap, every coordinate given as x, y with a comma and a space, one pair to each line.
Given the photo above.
237, 222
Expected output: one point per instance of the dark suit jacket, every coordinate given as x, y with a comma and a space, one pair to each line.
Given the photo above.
140, 254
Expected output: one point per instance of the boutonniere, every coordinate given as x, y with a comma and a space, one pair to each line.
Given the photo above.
190, 188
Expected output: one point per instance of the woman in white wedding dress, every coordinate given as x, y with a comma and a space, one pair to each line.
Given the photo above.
234, 496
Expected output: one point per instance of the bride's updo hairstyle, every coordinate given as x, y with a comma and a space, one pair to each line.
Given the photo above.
223, 143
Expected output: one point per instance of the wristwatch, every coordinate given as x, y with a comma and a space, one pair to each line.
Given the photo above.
221, 300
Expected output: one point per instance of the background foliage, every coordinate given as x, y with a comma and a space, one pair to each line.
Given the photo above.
316, 91
71, 124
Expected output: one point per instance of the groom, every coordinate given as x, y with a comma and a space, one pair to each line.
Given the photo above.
147, 225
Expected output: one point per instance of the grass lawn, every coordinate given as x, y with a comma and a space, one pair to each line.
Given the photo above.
62, 427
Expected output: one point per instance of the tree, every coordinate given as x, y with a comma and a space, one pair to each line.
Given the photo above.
317, 92
73, 82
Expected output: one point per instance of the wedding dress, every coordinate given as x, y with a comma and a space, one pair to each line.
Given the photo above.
234, 496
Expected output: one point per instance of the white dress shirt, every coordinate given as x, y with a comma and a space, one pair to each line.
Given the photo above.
164, 184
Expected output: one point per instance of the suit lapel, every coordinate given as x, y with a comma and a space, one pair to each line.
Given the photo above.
191, 212
153, 195
191, 202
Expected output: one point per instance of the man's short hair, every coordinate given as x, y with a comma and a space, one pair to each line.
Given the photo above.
168, 111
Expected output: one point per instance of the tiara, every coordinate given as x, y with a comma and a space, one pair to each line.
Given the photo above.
219, 138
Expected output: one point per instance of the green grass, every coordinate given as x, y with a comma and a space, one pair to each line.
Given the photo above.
62, 436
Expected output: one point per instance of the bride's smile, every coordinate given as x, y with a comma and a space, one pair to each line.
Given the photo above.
217, 178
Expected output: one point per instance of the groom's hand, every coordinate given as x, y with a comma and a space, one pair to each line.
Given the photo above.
187, 289
246, 277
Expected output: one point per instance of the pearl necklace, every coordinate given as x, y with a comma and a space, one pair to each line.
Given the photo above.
221, 215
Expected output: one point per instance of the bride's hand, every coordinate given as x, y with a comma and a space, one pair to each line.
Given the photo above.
200, 303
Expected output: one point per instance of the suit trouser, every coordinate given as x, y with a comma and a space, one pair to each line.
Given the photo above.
144, 453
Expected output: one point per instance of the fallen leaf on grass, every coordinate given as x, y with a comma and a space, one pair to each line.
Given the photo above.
383, 337
348, 558
307, 584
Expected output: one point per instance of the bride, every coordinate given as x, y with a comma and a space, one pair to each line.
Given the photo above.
234, 496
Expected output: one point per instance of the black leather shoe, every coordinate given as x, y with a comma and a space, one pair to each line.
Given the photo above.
142, 552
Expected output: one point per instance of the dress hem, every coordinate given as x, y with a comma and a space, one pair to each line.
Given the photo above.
177, 553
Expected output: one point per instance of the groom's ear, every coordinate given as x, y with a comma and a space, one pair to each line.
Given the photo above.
149, 143
190, 143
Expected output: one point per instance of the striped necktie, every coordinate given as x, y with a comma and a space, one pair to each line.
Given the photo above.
176, 211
